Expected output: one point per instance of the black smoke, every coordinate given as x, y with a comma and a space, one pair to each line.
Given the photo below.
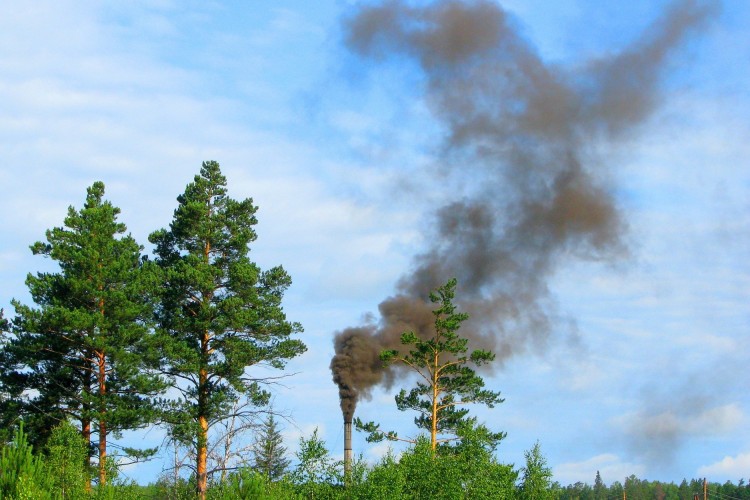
528, 132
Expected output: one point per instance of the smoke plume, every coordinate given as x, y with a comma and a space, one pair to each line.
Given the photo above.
528, 132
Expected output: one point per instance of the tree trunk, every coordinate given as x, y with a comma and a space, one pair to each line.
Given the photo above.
102, 452
435, 393
202, 455
86, 435
86, 420
202, 441
201, 475
102, 380
228, 444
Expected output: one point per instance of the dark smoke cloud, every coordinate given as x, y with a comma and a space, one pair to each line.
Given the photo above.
357, 367
527, 131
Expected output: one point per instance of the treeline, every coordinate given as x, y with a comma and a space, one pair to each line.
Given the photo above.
466, 470
642, 489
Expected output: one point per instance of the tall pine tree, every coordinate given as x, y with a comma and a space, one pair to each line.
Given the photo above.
219, 313
79, 353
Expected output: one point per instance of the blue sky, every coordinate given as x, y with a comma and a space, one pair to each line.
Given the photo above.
342, 155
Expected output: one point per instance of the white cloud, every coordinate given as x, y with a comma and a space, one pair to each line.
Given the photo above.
729, 468
716, 421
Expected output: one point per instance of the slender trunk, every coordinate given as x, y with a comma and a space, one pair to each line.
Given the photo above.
102, 381
435, 392
202, 441
86, 435
85, 416
202, 477
228, 444
202, 455
176, 472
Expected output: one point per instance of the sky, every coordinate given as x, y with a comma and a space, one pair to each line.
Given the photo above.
360, 138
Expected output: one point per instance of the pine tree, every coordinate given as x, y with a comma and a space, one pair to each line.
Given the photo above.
446, 379
79, 354
600, 490
20, 470
218, 314
269, 453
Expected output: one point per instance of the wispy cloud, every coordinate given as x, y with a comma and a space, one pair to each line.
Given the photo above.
659, 436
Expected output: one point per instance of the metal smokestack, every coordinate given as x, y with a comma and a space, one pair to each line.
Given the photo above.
347, 447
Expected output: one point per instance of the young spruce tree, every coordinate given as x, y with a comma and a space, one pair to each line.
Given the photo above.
219, 313
79, 354
446, 380
269, 452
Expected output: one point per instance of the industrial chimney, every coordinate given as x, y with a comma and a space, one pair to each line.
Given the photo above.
347, 447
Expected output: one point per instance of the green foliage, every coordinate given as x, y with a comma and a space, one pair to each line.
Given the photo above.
167, 488
4, 325
243, 484
466, 469
537, 476
317, 474
429, 476
67, 455
482, 476
79, 354
218, 313
600, 491
387, 479
22, 475
121, 491
446, 381
246, 483
616, 490
634, 488
269, 453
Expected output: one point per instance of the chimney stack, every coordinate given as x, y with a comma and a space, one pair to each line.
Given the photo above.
347, 447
